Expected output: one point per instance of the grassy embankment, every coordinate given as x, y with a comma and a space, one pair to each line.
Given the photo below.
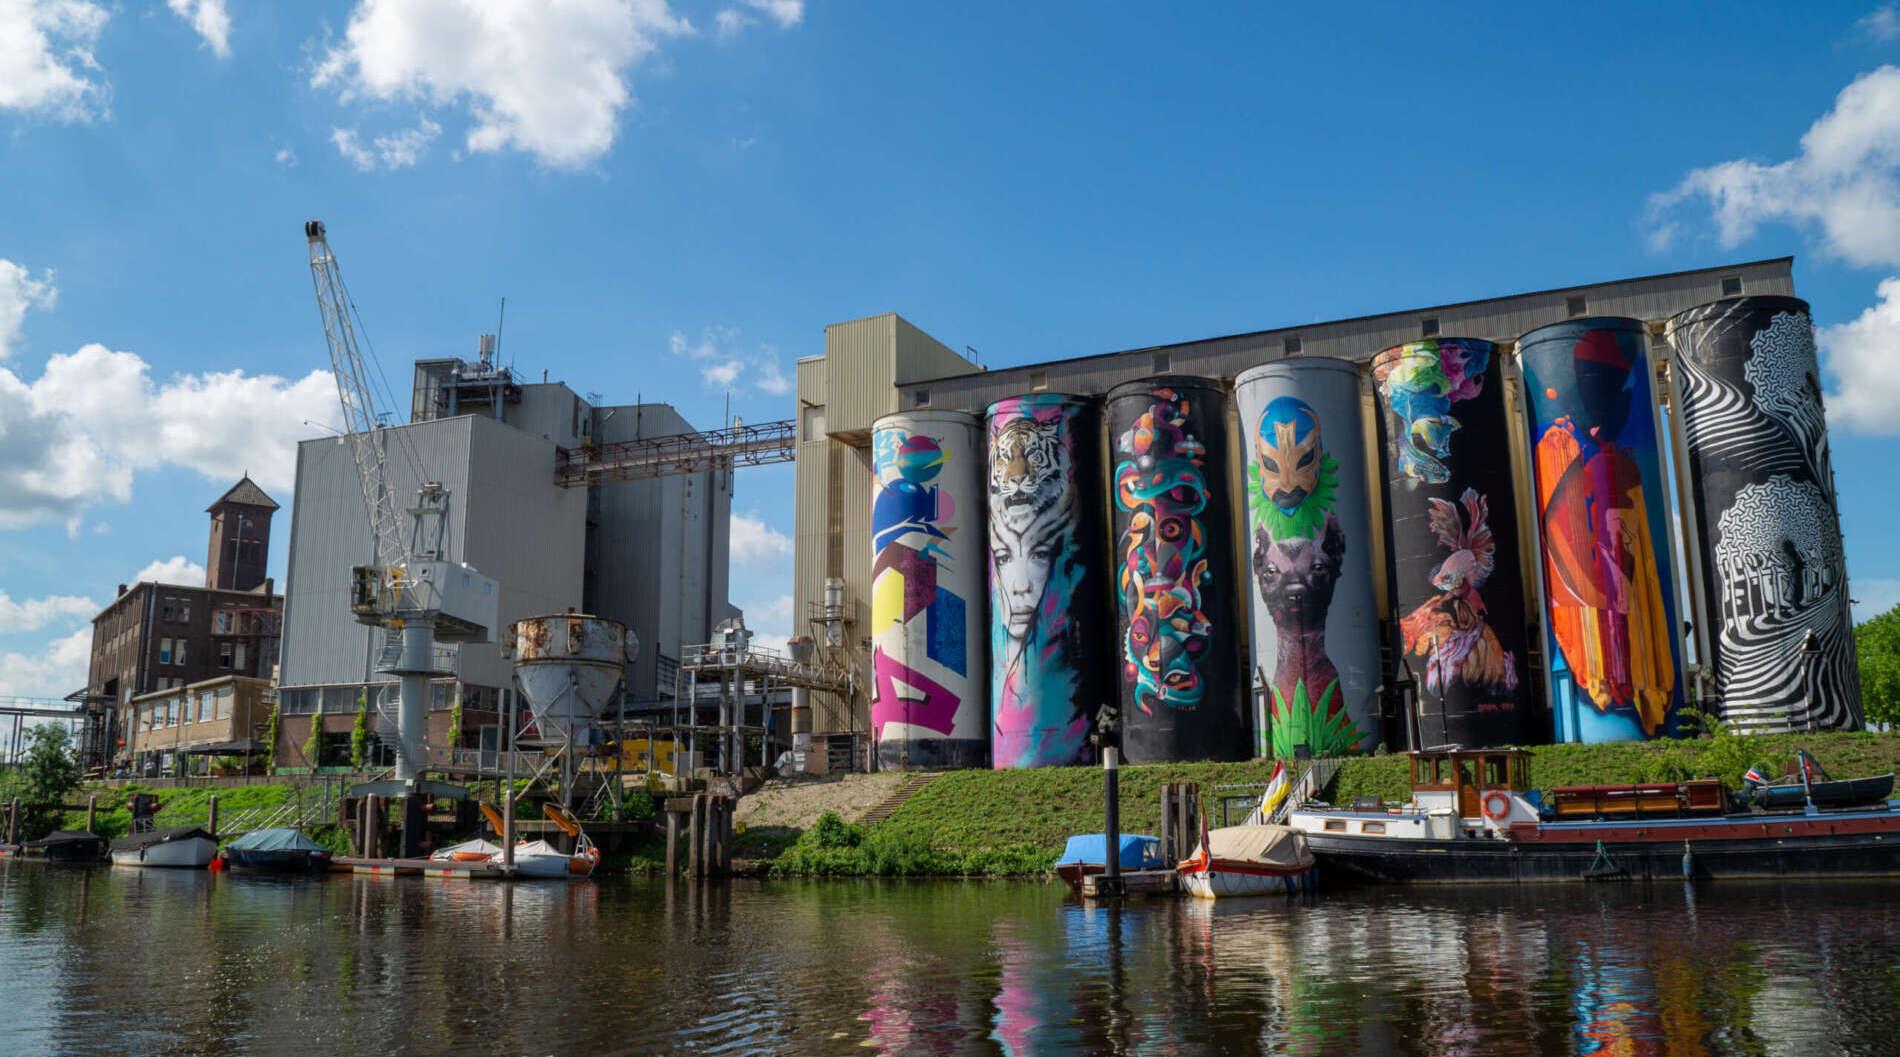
192, 807
1013, 823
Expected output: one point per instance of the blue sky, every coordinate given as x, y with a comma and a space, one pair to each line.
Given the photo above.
676, 198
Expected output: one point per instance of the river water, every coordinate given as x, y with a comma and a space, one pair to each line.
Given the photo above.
133, 962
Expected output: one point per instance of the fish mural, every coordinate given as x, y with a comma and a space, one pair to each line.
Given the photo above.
1315, 623
1609, 582
1176, 580
1774, 575
1049, 675
928, 705
1451, 552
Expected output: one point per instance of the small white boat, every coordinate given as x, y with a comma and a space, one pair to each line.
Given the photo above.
477, 850
1247, 861
182, 847
540, 860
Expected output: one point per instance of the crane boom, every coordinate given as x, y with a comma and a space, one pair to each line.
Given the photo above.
353, 391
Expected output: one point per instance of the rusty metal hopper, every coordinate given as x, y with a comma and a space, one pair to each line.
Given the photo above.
568, 665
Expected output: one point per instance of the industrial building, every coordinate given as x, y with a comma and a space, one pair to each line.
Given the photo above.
158, 636
649, 552
882, 364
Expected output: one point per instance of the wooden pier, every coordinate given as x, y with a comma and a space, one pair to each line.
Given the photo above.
454, 871
1134, 883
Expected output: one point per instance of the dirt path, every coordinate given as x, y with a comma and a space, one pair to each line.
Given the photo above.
797, 803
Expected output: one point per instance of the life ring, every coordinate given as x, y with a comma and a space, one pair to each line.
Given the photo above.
1497, 805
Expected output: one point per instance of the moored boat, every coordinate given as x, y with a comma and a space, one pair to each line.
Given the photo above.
178, 847
1247, 861
63, 845
277, 851
1473, 818
1086, 854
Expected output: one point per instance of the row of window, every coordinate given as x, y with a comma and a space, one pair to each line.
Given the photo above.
307, 700
188, 708
173, 651
232, 656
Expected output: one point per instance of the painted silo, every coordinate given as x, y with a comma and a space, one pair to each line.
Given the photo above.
1774, 578
928, 709
1176, 580
1050, 622
1315, 623
1609, 581
1452, 555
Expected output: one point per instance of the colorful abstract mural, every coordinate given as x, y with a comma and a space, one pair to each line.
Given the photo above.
1315, 623
1609, 584
1176, 578
1451, 545
927, 701
1774, 579
1049, 674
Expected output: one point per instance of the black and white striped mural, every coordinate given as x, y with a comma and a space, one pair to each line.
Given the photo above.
1775, 578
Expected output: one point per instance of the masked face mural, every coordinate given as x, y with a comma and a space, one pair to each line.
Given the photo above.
1161, 481
1032, 504
1420, 384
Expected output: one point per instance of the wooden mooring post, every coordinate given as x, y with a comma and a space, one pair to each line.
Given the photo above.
1180, 820
92, 810
13, 821
708, 834
211, 816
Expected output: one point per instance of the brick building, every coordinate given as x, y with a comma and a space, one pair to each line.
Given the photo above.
158, 636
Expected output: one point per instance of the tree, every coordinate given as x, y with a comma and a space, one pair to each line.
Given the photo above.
270, 734
1878, 643
359, 733
48, 771
313, 742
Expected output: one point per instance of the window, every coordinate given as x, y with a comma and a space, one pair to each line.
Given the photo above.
178, 653
1372, 827
814, 424
168, 609
1038, 381
225, 651
920, 398
204, 705
184, 611
238, 663
1161, 362
1495, 773
1428, 327
222, 708
1291, 346
1575, 305
164, 651
1335, 825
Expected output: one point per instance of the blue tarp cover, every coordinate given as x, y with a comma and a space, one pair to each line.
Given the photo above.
275, 840
1138, 852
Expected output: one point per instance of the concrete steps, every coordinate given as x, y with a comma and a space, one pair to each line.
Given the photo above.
906, 789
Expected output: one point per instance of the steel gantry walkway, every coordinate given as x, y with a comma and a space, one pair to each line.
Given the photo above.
677, 453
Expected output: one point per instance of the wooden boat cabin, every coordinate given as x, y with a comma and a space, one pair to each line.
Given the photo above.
1460, 778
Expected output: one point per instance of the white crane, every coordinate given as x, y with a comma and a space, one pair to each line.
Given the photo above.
411, 589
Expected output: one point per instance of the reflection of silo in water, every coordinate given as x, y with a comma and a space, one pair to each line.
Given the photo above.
1774, 580
1177, 585
927, 705
1050, 668
569, 666
1602, 505
1315, 623
1452, 542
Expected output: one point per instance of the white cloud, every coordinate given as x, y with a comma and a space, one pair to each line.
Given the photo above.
32, 614
753, 543
723, 362
286, 157
77, 434
1866, 353
46, 63
211, 21
1874, 596
400, 150
728, 23
1882, 23
19, 291
54, 671
176, 569
787, 13
1844, 185
548, 79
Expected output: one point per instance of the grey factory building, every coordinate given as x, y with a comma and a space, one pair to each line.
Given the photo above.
883, 364
650, 553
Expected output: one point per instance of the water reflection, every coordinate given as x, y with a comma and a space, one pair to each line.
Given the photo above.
126, 961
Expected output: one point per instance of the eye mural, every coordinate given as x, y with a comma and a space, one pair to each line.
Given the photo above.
1176, 577
1776, 620
1452, 556
1609, 584
1315, 624
1048, 587
927, 703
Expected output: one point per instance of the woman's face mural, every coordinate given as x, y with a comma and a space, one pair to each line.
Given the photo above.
1034, 505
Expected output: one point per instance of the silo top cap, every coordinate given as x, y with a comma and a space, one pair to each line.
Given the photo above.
925, 414
1164, 381
1297, 365
1747, 302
